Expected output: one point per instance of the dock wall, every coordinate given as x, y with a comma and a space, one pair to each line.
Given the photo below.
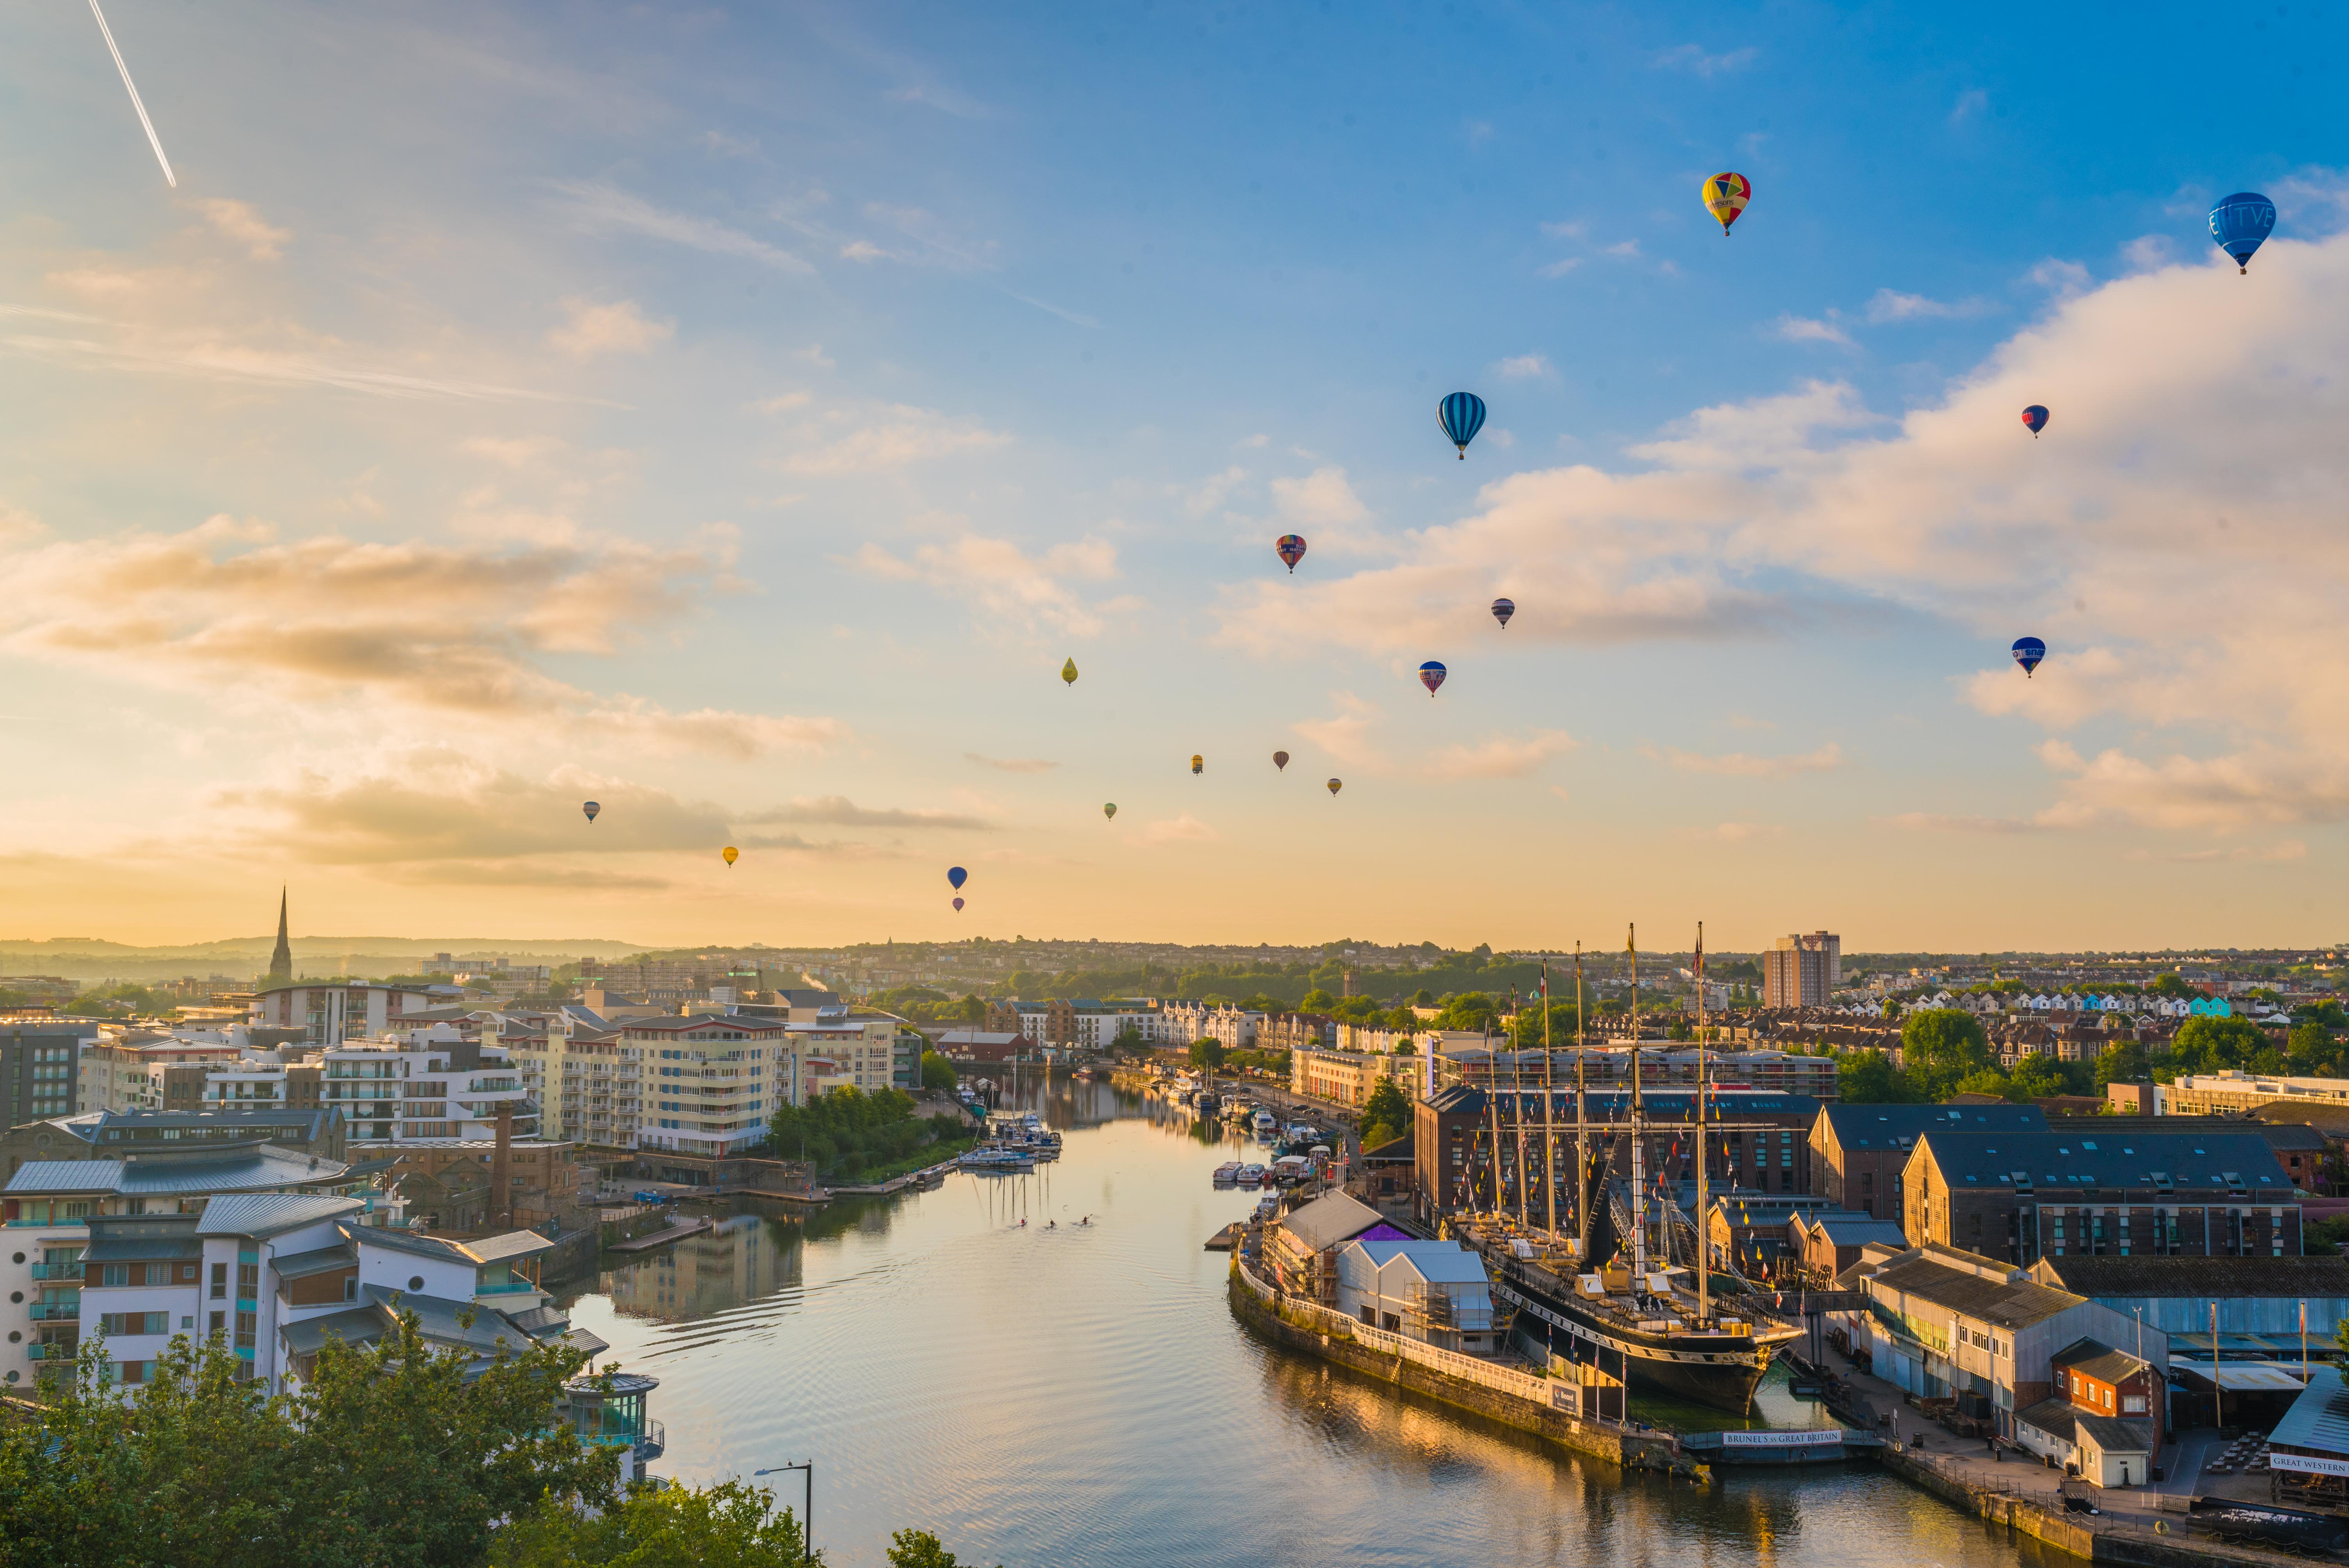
1298, 1327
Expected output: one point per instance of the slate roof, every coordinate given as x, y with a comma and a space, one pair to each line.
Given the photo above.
2098, 1360
2117, 1435
2008, 1304
267, 1214
2053, 1162
2198, 1277
1886, 1126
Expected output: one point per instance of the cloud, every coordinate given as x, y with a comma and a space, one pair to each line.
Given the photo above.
839, 811
1971, 105
1738, 765
436, 634
2147, 252
1011, 764
1889, 306
1558, 268
1345, 734
618, 328
209, 358
595, 204
1183, 829
1693, 57
1933, 822
1740, 832
894, 437
1501, 756
1524, 367
238, 221
2185, 399
1008, 583
1793, 328
2289, 850
1321, 498
2060, 278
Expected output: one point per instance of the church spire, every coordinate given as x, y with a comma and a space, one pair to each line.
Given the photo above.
281, 963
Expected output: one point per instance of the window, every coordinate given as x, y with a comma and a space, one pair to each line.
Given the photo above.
2133, 1404
115, 1274
219, 1322
244, 1330
248, 1281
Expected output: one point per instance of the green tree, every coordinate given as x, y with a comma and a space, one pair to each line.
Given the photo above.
1525, 1034
920, 1549
2037, 1076
973, 1009
1986, 1081
1941, 1045
728, 1525
2170, 985
2121, 1062
1317, 1000
2212, 1045
1422, 998
938, 1073
1869, 1077
1207, 1055
1471, 1010
1386, 1114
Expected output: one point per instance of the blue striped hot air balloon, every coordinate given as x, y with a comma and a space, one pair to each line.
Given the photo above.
2238, 224
1463, 415
2028, 651
1431, 675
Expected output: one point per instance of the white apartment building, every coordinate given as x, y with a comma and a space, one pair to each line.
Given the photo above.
431, 1085
331, 1012
710, 1082
126, 1070
1183, 1022
585, 1080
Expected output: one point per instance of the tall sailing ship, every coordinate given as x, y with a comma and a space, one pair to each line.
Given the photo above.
1600, 1296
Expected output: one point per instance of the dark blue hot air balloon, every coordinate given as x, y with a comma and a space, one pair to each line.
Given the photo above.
956, 877
1431, 675
2028, 651
2034, 418
1463, 415
2238, 224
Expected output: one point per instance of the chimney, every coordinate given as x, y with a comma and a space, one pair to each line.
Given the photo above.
502, 1171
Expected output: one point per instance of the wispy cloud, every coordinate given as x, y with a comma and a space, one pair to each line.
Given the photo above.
839, 812
1011, 764
1936, 822
617, 328
227, 362
1970, 105
1183, 829
1738, 765
1524, 367
1890, 305
1694, 57
892, 438
596, 204
1011, 586
1791, 328
238, 221
1501, 756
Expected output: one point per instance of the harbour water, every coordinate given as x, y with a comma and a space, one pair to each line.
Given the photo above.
1082, 1394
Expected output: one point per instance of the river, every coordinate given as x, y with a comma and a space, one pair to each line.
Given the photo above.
1080, 1395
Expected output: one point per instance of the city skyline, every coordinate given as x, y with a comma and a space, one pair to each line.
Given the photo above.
737, 420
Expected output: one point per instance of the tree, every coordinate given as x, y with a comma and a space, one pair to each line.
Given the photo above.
1941, 1045
938, 1073
1207, 1055
2169, 985
920, 1549
1986, 1081
2212, 1045
1386, 1115
1869, 1077
2037, 1076
1470, 1010
728, 1525
1527, 1032
973, 1009
1317, 1000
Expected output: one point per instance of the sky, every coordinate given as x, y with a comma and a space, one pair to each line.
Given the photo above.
736, 417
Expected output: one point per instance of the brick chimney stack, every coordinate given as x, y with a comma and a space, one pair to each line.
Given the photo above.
502, 1171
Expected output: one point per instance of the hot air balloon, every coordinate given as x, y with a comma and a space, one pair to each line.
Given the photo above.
2028, 651
2034, 418
1462, 415
2238, 224
1198, 763
1290, 547
1068, 672
1109, 809
1431, 675
957, 907
1280, 759
956, 877
1501, 610
1336, 785
730, 854
1726, 196
591, 808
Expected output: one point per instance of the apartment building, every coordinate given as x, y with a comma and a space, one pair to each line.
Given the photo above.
146, 1070
1297, 1032
1183, 1022
1802, 970
2021, 1196
48, 1204
40, 1067
1858, 1151
710, 1082
586, 1082
1347, 1078
329, 1012
2241, 1093
111, 1134
434, 1084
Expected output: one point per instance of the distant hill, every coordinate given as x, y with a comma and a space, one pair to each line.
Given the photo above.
94, 958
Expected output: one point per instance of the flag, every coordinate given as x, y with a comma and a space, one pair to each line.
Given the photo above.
1700, 954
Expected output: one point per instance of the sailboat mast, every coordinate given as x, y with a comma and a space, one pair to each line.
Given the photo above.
1703, 1154
1639, 1129
1549, 1124
1492, 1105
1517, 1123
1581, 1127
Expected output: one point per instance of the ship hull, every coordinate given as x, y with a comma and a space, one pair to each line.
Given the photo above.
1712, 1370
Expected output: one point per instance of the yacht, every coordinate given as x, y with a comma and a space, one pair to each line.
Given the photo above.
1251, 1175
997, 1161
1227, 1173
1267, 1126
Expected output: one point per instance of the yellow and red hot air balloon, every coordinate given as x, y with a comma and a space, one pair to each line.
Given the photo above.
1726, 196
1198, 763
730, 854
1336, 785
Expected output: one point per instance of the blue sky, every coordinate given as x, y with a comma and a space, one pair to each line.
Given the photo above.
737, 416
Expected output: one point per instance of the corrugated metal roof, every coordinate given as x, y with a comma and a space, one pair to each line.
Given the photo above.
2010, 1305
189, 1173
1329, 1219
1438, 1262
358, 1326
267, 1214
2318, 1421
321, 1260
135, 1248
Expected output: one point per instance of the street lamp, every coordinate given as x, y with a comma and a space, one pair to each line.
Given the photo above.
807, 1520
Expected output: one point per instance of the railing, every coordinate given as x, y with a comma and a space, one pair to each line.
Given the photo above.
652, 1443
1337, 1325
58, 1271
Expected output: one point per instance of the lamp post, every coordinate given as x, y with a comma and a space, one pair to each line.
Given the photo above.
807, 1520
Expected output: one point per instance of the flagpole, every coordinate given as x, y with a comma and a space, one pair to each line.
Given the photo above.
1638, 1130
1549, 1122
1581, 1125
1704, 1216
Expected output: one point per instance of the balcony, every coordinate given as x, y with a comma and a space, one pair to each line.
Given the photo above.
58, 1271
55, 1311
652, 1442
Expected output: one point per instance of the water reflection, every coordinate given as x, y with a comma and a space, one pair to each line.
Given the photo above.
1083, 1395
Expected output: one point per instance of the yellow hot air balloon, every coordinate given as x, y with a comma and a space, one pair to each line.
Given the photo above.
730, 854
1198, 763
1109, 809
1068, 672
1726, 196
1336, 785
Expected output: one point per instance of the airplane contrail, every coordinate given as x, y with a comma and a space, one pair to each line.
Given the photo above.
152, 139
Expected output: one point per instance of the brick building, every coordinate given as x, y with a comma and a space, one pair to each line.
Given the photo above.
1857, 1151
2020, 1196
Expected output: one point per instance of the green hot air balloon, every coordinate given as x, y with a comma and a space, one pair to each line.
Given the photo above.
1068, 672
1110, 810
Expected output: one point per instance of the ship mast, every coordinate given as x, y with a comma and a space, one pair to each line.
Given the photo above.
1703, 1154
1518, 1123
1638, 1132
1549, 1127
1581, 1128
